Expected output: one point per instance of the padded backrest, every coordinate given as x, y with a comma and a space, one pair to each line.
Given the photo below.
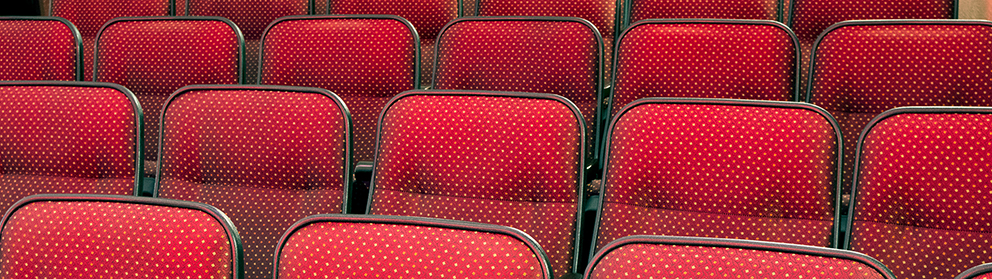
638, 10
863, 68
266, 155
90, 15
67, 137
97, 236
511, 159
921, 203
39, 48
364, 59
251, 16
983, 271
643, 256
157, 55
758, 170
367, 246
427, 16
735, 59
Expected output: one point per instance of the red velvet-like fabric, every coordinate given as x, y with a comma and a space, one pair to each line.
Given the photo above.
90, 15
153, 58
501, 160
727, 171
70, 239
265, 158
427, 16
37, 50
864, 70
365, 61
368, 250
718, 60
923, 194
731, 9
65, 139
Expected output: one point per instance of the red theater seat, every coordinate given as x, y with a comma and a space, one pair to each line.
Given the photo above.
698, 9
39, 48
983, 271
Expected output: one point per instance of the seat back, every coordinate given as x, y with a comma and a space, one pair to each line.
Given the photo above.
637, 10
90, 15
154, 56
983, 271
68, 137
643, 256
266, 155
921, 200
510, 159
77, 236
39, 48
365, 59
759, 170
863, 68
339, 246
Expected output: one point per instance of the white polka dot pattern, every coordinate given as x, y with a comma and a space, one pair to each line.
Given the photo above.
737, 60
729, 9
61, 239
40, 49
922, 205
365, 61
366, 250
720, 170
90, 15
500, 160
265, 158
65, 139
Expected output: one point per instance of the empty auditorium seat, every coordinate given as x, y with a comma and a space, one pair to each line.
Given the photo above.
251, 16
743, 169
100, 236
68, 137
698, 9
643, 256
39, 48
90, 15
983, 271
921, 201
265, 155
427, 16
863, 68
510, 159
367, 246
154, 56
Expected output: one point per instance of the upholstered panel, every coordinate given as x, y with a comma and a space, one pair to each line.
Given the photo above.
983, 271
38, 49
730, 9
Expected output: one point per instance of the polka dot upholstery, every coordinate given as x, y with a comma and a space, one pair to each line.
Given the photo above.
93, 236
66, 137
729, 9
695, 257
366, 246
156, 56
366, 60
39, 48
922, 198
510, 159
267, 156
754, 170
251, 16
557, 56
427, 16
735, 59
864, 68
983, 271
90, 15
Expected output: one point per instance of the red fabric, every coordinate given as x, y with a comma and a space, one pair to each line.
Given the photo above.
738, 61
427, 16
507, 161
65, 139
864, 70
90, 15
725, 171
679, 261
153, 58
60, 239
37, 50
363, 250
731, 9
265, 158
365, 61
922, 200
